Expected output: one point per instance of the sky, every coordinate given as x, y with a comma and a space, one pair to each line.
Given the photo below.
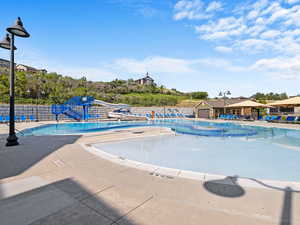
245, 46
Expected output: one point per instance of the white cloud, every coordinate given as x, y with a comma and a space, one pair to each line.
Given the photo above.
253, 46
253, 14
223, 49
159, 64
224, 64
261, 4
256, 9
292, 1
195, 9
255, 30
258, 27
264, 26
293, 16
154, 64
221, 29
279, 67
270, 34
214, 6
278, 13
189, 9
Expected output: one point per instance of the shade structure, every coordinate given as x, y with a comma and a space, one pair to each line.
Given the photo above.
289, 101
247, 103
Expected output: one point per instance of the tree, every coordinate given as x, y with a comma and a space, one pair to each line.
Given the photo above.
199, 95
269, 96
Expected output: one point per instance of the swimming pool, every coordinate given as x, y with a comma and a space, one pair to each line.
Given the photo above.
199, 128
217, 148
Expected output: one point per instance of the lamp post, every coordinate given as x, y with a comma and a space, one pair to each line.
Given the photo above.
224, 94
29, 95
8, 43
37, 104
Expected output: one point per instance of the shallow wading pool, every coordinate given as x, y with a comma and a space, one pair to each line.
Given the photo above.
218, 148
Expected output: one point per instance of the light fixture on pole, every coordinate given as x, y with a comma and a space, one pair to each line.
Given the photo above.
224, 94
7, 43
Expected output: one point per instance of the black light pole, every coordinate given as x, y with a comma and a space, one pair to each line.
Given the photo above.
29, 95
224, 94
38, 96
8, 43
37, 106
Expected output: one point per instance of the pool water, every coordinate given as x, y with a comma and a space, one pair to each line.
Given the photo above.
217, 148
255, 158
180, 126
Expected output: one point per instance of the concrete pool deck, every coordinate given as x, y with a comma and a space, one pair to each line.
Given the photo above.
55, 180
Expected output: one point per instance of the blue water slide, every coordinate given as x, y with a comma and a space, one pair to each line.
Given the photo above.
73, 114
70, 107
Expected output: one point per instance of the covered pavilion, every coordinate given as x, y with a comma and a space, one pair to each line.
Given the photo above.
247, 108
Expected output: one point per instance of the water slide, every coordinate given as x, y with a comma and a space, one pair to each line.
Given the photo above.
72, 110
103, 103
120, 111
66, 109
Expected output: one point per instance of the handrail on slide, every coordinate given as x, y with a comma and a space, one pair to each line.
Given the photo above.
100, 102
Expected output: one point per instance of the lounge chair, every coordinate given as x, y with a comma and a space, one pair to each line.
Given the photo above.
268, 118
2, 119
297, 120
290, 119
275, 119
227, 117
31, 118
278, 118
247, 118
23, 118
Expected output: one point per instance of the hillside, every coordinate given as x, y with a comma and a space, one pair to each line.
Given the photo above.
50, 88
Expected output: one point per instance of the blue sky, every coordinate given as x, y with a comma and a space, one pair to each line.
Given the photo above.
244, 46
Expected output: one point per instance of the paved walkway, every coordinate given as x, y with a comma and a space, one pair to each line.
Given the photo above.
54, 180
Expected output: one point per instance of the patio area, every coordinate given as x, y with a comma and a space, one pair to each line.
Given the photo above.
55, 180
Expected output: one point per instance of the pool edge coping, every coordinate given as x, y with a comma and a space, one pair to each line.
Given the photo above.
165, 172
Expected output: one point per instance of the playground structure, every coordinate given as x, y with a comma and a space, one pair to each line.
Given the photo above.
72, 108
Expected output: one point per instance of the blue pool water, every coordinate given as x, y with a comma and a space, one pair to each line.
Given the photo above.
180, 126
218, 148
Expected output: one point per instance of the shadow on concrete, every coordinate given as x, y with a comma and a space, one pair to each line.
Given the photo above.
228, 187
225, 187
60, 203
286, 212
15, 160
287, 205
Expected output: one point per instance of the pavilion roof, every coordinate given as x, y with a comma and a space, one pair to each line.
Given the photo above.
289, 101
247, 103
